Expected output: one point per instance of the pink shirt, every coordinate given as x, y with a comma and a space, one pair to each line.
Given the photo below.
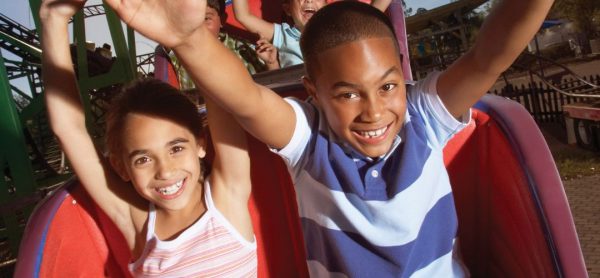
211, 247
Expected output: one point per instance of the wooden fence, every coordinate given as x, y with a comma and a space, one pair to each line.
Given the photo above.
544, 103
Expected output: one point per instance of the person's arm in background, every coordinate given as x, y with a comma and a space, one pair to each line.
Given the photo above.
268, 54
251, 22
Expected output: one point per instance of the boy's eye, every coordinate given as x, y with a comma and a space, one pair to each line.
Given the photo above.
141, 161
388, 87
176, 149
348, 95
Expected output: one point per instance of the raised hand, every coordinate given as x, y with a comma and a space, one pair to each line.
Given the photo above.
63, 9
168, 22
267, 53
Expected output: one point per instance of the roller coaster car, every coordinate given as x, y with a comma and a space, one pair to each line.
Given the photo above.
514, 219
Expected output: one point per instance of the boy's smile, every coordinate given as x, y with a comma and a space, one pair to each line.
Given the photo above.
359, 86
162, 160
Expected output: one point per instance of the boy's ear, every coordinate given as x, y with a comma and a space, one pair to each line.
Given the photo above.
117, 165
310, 87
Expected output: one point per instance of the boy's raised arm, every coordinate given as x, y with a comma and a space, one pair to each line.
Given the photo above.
65, 111
214, 68
504, 34
251, 22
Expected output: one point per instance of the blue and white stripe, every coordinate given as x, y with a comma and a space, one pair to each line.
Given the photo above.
393, 217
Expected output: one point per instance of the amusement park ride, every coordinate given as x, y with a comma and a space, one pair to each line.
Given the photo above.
514, 217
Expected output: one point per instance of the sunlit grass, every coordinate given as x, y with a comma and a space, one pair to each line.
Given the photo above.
573, 163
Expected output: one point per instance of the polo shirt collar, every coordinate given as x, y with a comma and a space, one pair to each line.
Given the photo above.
293, 32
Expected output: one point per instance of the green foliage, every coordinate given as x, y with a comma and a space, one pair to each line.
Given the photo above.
582, 13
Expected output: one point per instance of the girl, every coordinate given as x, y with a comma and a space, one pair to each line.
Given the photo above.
175, 222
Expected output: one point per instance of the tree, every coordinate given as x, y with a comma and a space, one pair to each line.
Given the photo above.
582, 13
407, 10
421, 10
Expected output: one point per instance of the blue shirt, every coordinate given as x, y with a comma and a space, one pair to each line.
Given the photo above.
286, 39
389, 217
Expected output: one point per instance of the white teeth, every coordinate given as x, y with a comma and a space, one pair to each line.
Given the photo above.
172, 189
373, 133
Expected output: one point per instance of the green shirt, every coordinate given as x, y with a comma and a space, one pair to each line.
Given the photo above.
243, 49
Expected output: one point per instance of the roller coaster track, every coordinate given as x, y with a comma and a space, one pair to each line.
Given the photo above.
24, 43
584, 89
145, 63
19, 40
94, 10
35, 163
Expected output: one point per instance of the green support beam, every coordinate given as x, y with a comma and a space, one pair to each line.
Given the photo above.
15, 155
20, 189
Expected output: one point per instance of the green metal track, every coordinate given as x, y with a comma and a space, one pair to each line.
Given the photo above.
30, 158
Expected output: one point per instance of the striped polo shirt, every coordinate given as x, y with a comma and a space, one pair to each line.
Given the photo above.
211, 247
389, 217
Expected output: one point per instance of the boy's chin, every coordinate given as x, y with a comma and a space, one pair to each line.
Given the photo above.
374, 152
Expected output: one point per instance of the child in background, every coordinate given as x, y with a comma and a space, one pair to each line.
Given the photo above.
366, 151
214, 19
176, 222
285, 38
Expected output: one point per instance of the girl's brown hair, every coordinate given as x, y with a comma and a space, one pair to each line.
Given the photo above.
154, 98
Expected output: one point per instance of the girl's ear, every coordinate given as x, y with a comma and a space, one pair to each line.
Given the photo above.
117, 165
201, 146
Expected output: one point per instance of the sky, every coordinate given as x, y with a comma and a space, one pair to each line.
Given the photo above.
97, 28
97, 31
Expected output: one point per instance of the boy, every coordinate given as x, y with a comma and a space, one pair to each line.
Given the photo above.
215, 16
365, 154
284, 37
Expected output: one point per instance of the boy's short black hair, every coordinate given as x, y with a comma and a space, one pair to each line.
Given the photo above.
218, 5
342, 22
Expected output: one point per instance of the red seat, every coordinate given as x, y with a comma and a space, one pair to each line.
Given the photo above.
514, 219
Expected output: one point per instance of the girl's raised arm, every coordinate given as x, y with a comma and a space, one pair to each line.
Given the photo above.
67, 118
230, 173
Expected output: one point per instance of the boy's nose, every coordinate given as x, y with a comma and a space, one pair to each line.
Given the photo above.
372, 110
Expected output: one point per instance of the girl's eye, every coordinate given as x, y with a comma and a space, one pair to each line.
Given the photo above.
142, 160
388, 87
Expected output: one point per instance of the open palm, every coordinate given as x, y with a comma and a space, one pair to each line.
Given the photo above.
168, 22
